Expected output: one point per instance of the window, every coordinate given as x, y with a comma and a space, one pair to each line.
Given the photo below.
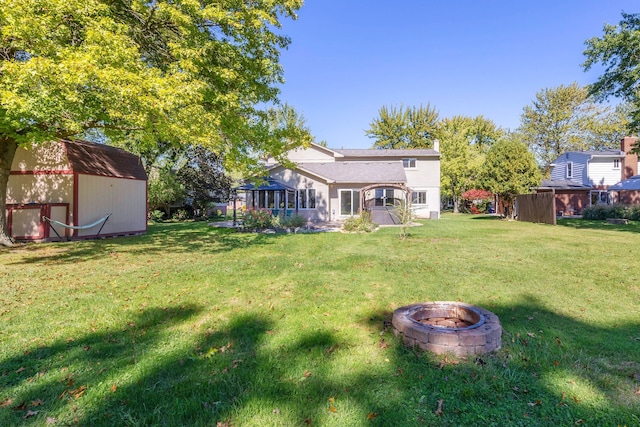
616, 163
569, 169
291, 199
419, 198
307, 198
409, 163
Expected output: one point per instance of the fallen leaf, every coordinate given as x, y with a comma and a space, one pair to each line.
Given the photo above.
30, 414
114, 388
51, 420
637, 391
308, 421
223, 424
6, 402
558, 341
20, 407
20, 370
439, 409
270, 332
372, 416
276, 411
332, 399
36, 403
77, 393
307, 374
333, 408
531, 334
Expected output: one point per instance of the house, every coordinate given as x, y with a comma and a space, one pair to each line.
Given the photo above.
76, 183
331, 185
582, 178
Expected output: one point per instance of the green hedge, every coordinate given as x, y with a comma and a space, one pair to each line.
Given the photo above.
612, 211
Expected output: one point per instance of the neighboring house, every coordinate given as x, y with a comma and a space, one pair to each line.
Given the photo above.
582, 178
332, 185
76, 183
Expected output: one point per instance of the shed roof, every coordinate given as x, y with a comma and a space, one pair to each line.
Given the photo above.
358, 172
98, 159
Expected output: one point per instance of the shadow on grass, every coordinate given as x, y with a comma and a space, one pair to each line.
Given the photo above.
551, 370
181, 238
588, 224
238, 373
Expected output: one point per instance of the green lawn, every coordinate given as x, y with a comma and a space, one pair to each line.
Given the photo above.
193, 325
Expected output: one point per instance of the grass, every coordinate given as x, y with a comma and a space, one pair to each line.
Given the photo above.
194, 325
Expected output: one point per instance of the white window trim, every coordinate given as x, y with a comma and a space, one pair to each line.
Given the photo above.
616, 164
569, 170
306, 191
410, 161
425, 198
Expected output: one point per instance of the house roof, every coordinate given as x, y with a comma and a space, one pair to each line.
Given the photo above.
563, 184
98, 159
631, 184
268, 184
357, 172
600, 153
351, 152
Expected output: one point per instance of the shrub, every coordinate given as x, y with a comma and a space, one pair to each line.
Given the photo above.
602, 212
180, 215
156, 216
296, 221
360, 224
257, 219
634, 213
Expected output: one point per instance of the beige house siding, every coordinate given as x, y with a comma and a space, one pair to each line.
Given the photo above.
50, 156
124, 199
301, 181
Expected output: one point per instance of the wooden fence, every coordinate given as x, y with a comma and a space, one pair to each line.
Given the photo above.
537, 207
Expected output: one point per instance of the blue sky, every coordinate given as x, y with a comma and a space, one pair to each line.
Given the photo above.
348, 58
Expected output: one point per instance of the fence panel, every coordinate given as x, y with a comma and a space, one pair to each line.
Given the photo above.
537, 207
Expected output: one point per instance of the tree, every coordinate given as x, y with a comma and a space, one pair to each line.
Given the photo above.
142, 70
463, 144
163, 188
566, 119
509, 169
203, 178
404, 127
618, 51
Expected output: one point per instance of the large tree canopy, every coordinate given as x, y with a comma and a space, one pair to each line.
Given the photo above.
618, 51
404, 127
566, 119
463, 144
175, 71
509, 169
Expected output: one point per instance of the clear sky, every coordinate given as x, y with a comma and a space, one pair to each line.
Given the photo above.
348, 58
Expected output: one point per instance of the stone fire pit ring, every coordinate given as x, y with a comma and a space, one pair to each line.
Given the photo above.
443, 327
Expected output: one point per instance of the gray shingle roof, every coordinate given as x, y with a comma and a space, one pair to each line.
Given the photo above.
354, 152
563, 184
358, 172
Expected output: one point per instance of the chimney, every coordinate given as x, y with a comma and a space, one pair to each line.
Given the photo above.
630, 162
436, 145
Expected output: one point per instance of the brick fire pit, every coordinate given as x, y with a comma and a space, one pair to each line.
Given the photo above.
448, 327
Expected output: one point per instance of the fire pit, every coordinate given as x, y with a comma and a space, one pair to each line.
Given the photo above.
448, 327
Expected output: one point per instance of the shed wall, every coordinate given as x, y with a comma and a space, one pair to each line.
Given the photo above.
124, 199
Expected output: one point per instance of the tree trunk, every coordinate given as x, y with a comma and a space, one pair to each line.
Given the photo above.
456, 201
7, 153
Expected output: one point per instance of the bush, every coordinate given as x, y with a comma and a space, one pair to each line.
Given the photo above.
602, 212
180, 215
634, 213
257, 219
156, 216
360, 224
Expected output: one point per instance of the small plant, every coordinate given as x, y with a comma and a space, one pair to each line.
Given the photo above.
258, 219
180, 215
156, 216
360, 224
601, 212
404, 214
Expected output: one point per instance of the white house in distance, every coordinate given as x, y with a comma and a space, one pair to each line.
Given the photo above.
76, 183
332, 185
